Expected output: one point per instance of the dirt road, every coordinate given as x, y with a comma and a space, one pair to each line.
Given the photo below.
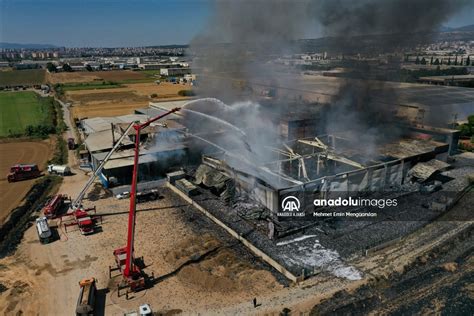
11, 194
170, 235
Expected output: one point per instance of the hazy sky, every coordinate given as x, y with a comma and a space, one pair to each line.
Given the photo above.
111, 23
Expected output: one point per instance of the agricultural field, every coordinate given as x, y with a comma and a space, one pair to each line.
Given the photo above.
151, 73
121, 100
21, 109
89, 86
11, 194
22, 77
125, 76
98, 77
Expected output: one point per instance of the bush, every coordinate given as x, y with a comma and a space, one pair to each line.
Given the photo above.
53, 125
39, 130
59, 118
153, 95
467, 129
470, 120
58, 88
186, 93
60, 155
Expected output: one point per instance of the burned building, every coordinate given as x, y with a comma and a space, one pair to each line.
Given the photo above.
312, 165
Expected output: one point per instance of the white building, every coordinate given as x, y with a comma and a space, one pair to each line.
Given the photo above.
175, 71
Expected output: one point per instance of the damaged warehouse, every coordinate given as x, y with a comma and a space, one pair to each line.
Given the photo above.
238, 173
286, 155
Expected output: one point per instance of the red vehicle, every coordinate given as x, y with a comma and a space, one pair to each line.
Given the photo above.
53, 206
84, 221
23, 172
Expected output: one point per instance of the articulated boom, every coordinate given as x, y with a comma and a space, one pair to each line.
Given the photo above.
124, 257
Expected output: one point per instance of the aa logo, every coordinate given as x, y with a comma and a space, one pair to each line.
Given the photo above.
290, 204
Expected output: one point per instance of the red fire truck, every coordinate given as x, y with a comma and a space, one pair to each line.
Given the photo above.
54, 205
23, 172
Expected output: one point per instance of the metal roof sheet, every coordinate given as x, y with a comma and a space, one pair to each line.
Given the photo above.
424, 170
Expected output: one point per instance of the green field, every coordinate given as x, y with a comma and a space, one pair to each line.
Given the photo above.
150, 72
22, 77
144, 80
20, 109
89, 86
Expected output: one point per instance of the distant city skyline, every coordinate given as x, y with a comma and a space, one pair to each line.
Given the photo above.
119, 23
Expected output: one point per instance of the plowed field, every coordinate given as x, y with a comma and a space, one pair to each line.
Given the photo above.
11, 194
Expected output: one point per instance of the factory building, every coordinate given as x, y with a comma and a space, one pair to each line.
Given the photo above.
175, 71
160, 65
162, 147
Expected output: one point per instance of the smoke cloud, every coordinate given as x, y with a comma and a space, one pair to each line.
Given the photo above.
403, 20
366, 108
238, 131
237, 50
241, 37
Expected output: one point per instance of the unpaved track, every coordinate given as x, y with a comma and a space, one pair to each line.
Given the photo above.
11, 194
43, 279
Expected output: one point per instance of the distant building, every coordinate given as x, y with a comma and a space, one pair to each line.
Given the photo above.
175, 71
160, 65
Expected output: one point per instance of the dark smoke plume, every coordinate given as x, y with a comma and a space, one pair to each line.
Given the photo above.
242, 39
242, 36
402, 22
371, 27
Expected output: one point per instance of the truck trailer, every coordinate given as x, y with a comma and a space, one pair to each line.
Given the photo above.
87, 294
43, 229
60, 170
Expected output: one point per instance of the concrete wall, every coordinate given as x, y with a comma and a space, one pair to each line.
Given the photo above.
375, 178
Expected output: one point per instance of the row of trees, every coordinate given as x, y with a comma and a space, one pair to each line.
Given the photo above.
437, 61
53, 125
186, 93
407, 75
41, 131
66, 67
467, 134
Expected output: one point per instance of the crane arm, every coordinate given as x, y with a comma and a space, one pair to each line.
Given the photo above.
129, 265
77, 202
